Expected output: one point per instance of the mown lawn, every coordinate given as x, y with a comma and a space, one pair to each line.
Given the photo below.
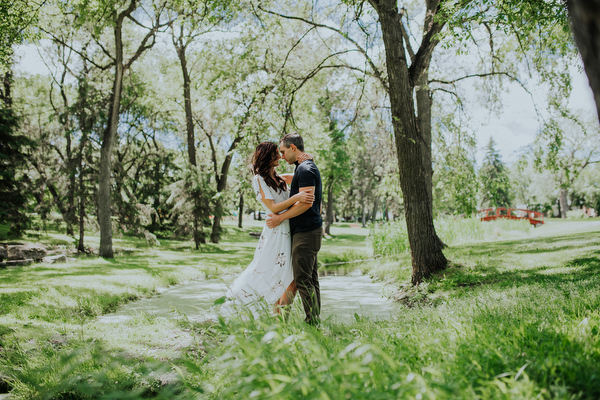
512, 318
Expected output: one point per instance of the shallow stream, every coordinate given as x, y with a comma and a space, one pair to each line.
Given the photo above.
342, 296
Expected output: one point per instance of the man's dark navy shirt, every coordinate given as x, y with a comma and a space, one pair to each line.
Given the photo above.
307, 174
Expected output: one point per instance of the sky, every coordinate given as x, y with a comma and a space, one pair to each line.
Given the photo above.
518, 124
513, 128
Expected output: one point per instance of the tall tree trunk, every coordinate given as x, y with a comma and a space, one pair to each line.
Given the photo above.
364, 214
375, 209
585, 21
110, 133
80, 244
187, 98
70, 217
6, 84
329, 207
425, 246
386, 212
86, 125
423, 99
215, 235
423, 95
564, 205
241, 210
181, 48
71, 209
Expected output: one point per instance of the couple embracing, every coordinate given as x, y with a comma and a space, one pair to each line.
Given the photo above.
285, 260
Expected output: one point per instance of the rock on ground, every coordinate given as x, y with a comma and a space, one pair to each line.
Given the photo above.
26, 251
61, 258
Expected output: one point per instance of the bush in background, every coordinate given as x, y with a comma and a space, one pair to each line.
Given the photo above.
392, 238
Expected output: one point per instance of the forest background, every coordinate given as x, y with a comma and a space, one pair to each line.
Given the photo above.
146, 116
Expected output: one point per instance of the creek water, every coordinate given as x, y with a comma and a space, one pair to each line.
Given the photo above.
342, 296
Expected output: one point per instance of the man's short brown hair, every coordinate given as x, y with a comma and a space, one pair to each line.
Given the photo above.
293, 138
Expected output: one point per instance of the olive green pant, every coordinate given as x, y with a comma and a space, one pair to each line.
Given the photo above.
305, 247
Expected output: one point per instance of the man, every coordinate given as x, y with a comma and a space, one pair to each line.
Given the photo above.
305, 225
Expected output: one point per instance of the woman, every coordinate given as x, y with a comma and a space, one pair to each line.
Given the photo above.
269, 277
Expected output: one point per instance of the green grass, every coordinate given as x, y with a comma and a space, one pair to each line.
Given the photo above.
387, 239
509, 319
512, 317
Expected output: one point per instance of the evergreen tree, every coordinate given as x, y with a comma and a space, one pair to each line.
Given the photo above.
493, 179
12, 200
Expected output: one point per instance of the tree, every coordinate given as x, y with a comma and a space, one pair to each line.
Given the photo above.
587, 187
567, 145
17, 18
455, 188
585, 22
494, 180
12, 157
100, 20
334, 165
406, 81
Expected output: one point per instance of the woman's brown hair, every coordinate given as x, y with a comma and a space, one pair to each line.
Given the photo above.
262, 159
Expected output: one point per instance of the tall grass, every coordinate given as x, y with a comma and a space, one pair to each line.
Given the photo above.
392, 238
493, 344
510, 319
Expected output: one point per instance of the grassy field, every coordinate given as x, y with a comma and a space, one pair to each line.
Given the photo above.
510, 318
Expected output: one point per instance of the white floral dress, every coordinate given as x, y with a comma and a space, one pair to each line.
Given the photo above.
264, 281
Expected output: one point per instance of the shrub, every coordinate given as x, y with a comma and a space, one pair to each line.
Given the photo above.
392, 238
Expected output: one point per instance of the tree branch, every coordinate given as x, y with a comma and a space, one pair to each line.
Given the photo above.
82, 55
376, 71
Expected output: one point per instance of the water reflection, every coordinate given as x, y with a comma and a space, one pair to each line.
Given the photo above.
343, 295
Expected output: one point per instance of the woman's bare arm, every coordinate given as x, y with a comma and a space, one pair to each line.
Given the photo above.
302, 197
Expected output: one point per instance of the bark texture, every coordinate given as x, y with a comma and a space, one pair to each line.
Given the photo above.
423, 98
241, 210
425, 246
564, 204
187, 96
585, 21
114, 108
329, 207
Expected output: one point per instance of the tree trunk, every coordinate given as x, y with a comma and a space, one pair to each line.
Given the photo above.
386, 212
71, 213
425, 246
585, 22
85, 126
80, 244
241, 210
181, 48
364, 216
215, 235
221, 179
6, 92
564, 206
424, 102
104, 200
187, 97
375, 209
329, 208
423, 96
